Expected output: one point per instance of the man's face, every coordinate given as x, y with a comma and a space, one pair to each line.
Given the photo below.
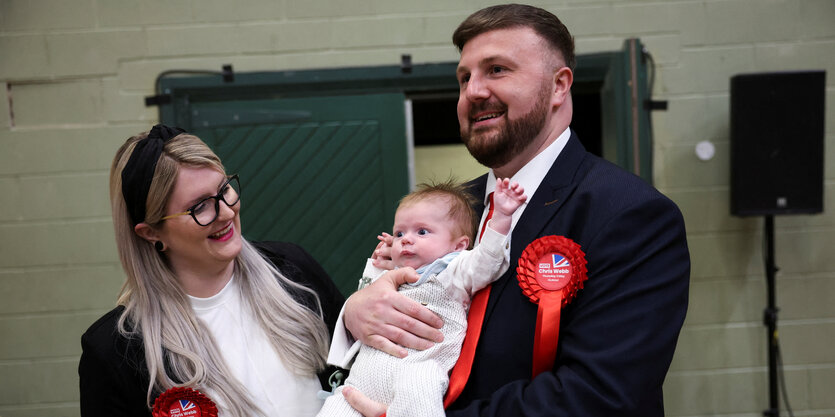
506, 81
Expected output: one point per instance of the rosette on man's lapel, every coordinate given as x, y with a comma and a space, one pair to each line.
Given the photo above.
550, 272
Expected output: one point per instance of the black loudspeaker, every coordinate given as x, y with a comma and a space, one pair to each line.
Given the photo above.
777, 123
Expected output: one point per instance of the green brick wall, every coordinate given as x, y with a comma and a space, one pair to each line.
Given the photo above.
76, 72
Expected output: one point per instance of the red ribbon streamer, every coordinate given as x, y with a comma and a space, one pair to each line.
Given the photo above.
550, 302
547, 331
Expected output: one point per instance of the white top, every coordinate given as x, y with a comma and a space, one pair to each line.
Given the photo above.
529, 177
252, 359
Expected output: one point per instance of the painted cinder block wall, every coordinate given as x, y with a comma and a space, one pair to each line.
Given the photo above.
76, 72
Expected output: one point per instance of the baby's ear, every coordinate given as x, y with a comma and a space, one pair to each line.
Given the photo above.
463, 243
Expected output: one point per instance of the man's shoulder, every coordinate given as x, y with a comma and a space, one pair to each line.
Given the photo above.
601, 189
603, 176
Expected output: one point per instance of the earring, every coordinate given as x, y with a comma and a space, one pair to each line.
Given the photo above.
159, 246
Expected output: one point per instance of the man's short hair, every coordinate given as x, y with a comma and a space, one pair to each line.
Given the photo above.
507, 16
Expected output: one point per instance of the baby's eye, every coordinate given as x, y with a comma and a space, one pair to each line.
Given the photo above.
398, 234
422, 232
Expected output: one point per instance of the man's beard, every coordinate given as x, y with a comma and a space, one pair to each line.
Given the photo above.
496, 148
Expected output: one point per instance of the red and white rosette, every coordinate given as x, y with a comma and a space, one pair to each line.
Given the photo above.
550, 272
183, 402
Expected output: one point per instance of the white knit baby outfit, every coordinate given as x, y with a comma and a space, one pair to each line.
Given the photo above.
415, 385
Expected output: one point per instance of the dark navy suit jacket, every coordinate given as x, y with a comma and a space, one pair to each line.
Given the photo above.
617, 337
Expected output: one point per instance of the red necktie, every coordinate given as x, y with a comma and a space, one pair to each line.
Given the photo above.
475, 319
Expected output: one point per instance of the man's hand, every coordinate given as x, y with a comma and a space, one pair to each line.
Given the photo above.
363, 404
386, 320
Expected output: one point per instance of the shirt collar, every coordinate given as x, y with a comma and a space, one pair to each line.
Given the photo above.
532, 174
529, 177
435, 268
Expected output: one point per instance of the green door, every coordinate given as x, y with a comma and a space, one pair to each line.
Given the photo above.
322, 154
323, 172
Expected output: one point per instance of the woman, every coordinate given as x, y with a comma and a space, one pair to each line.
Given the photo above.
246, 325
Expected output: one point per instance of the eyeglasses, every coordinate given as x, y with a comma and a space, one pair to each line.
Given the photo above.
204, 212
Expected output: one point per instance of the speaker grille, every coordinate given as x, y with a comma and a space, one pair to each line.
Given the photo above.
777, 131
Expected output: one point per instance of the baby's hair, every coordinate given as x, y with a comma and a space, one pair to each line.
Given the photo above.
460, 204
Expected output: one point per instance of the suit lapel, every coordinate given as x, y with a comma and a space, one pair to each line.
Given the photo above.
477, 188
551, 195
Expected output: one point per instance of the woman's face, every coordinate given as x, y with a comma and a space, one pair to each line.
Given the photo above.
191, 248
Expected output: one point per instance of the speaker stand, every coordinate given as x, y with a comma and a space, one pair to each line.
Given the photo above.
770, 320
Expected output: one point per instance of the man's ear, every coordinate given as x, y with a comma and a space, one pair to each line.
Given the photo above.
463, 243
563, 79
146, 232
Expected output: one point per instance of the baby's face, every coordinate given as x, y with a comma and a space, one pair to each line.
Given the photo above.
422, 233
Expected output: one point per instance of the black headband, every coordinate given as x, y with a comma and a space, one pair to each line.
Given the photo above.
139, 171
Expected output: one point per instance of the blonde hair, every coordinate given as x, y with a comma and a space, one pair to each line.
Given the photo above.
460, 203
159, 312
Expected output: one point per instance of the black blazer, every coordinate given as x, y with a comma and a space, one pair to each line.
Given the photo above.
112, 372
618, 336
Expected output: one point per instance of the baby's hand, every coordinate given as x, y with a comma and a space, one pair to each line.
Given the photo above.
508, 196
381, 258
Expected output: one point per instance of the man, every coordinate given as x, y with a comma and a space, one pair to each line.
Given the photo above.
617, 338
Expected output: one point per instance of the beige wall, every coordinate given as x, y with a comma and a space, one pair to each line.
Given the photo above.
76, 73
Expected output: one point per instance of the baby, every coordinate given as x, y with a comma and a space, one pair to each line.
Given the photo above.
433, 227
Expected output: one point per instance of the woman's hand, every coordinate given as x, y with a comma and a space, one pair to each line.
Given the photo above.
363, 404
386, 320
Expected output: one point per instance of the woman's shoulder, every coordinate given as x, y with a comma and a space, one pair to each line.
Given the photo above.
298, 265
104, 341
282, 253
294, 262
113, 378
106, 326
